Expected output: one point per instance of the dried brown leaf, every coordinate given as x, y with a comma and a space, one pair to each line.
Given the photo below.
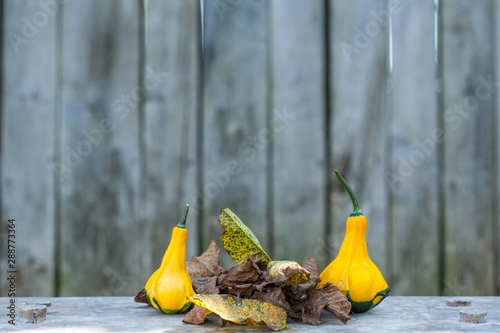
246, 272
276, 297
140, 297
311, 307
240, 280
206, 285
244, 290
286, 273
205, 265
196, 316
337, 303
312, 267
305, 298
300, 291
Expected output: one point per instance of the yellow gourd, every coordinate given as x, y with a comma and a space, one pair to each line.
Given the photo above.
169, 288
352, 271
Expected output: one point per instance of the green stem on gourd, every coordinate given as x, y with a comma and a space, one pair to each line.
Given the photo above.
355, 206
182, 222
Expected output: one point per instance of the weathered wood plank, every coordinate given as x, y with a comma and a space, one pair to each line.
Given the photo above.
101, 95
359, 53
415, 136
120, 314
298, 98
172, 49
467, 110
235, 128
28, 114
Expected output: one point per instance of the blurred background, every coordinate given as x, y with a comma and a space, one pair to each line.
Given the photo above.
116, 113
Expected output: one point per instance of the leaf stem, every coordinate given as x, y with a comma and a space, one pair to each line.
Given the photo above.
355, 206
182, 222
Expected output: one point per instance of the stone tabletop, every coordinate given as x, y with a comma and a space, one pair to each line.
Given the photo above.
122, 314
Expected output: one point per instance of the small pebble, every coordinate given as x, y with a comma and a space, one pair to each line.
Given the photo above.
32, 313
458, 301
473, 316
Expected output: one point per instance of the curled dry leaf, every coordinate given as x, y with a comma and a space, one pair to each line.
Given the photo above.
244, 273
310, 302
328, 298
300, 291
311, 307
205, 265
196, 316
140, 297
244, 311
241, 280
206, 285
238, 240
312, 267
276, 297
286, 273
337, 303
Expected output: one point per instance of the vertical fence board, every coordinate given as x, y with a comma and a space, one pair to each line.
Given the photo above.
467, 109
29, 110
358, 120
234, 104
414, 138
298, 70
172, 50
100, 97
496, 136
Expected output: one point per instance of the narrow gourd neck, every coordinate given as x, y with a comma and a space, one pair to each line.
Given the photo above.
176, 251
355, 206
182, 222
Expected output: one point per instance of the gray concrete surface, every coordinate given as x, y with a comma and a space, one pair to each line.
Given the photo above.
122, 314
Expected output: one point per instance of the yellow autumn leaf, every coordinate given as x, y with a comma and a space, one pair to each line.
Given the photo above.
238, 240
244, 311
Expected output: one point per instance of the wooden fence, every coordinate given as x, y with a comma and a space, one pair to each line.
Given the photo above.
114, 116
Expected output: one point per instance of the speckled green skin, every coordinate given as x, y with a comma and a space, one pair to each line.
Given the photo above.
360, 307
238, 240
